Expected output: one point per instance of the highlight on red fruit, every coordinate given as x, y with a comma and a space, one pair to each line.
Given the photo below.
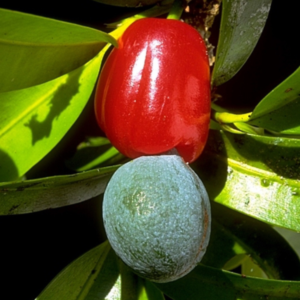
153, 93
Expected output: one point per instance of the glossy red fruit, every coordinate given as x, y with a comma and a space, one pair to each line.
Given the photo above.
153, 93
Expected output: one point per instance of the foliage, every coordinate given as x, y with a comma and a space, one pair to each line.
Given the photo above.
250, 166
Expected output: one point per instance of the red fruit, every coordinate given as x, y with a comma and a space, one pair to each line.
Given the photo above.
153, 93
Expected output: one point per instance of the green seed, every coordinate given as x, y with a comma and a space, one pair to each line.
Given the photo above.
157, 218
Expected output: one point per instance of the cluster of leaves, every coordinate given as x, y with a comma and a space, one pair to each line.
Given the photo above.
250, 164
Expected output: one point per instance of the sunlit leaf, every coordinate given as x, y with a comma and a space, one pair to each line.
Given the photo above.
245, 127
231, 129
242, 23
35, 119
256, 175
251, 268
235, 262
95, 152
279, 110
211, 284
34, 49
46, 193
235, 237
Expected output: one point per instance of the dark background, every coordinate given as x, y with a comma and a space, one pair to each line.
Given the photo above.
35, 247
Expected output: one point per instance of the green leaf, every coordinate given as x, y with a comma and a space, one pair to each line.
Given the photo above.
241, 26
40, 49
245, 127
235, 262
95, 152
150, 292
223, 244
128, 3
51, 192
255, 175
130, 287
214, 125
292, 237
92, 276
35, 119
279, 110
231, 129
211, 284
134, 287
99, 274
251, 268
235, 236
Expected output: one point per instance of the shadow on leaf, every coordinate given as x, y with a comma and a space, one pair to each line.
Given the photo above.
8, 169
60, 101
211, 166
279, 155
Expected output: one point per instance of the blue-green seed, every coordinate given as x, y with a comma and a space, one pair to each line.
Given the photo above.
157, 217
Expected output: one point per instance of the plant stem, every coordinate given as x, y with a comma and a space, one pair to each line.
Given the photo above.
176, 10
154, 11
222, 116
117, 33
217, 108
225, 117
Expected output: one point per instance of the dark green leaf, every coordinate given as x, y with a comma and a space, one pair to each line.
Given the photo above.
234, 235
46, 193
35, 119
150, 291
292, 237
279, 110
94, 153
38, 49
92, 276
241, 26
133, 287
223, 245
130, 288
211, 284
214, 125
128, 3
256, 175
99, 274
